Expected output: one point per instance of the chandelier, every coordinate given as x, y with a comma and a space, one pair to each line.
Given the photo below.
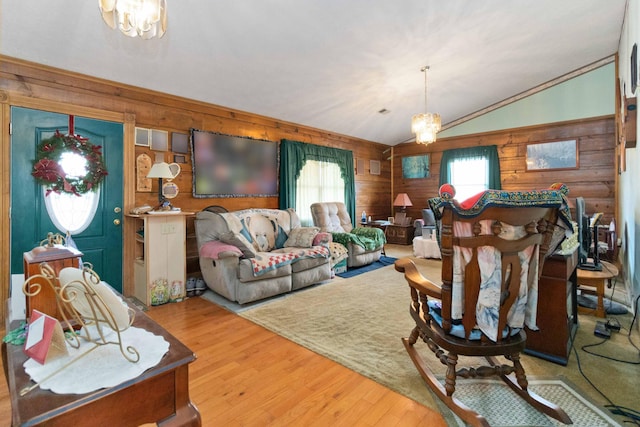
143, 18
425, 125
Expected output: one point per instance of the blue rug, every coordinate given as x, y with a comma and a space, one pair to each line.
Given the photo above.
354, 271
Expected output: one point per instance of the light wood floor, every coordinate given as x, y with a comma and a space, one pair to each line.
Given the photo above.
245, 375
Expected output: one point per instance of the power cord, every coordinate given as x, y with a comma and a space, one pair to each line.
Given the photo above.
632, 414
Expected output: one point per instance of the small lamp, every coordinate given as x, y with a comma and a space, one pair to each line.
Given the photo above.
160, 170
402, 200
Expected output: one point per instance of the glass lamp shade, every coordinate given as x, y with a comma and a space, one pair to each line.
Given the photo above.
160, 170
143, 18
426, 126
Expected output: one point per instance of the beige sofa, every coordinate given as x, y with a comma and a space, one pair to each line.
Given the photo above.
364, 244
253, 254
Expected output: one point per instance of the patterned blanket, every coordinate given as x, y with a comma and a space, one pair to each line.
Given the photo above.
267, 261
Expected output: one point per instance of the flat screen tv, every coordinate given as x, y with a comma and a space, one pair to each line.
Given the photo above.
588, 257
233, 166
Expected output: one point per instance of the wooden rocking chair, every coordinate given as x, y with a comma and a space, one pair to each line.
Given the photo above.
492, 256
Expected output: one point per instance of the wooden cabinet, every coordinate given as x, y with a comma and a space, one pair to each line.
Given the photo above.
557, 310
400, 234
160, 252
57, 257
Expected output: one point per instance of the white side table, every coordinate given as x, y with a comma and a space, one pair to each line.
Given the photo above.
426, 248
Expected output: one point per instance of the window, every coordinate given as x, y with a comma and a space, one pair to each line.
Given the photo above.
471, 170
469, 177
69, 212
318, 182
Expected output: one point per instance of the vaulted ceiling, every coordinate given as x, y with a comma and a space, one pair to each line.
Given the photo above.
329, 64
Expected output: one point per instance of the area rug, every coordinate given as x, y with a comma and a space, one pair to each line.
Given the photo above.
359, 322
354, 271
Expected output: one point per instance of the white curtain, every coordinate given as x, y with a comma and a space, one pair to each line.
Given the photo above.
318, 182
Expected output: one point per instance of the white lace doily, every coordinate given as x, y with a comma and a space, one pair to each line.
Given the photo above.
103, 367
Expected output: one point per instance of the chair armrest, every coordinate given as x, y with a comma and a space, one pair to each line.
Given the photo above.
216, 249
416, 279
323, 238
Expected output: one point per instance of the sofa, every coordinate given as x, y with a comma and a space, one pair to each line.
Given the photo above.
364, 244
252, 254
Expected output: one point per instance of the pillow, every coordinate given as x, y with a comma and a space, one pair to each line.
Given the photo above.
301, 237
240, 242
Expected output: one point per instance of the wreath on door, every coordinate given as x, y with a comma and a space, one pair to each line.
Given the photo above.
48, 171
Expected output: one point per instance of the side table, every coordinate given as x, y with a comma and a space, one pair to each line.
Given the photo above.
160, 394
595, 281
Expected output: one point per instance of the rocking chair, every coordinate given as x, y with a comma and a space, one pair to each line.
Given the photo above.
492, 256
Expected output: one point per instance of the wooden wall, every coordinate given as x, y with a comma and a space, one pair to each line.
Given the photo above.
594, 179
36, 86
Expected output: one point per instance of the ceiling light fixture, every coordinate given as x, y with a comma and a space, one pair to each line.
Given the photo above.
143, 18
425, 125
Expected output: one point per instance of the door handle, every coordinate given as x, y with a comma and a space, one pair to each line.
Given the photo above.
117, 209
116, 222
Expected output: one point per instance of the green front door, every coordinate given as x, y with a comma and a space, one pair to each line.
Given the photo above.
101, 241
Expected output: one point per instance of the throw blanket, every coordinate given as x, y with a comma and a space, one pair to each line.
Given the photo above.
367, 238
267, 261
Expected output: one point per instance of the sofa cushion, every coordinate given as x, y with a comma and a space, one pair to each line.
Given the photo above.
246, 272
240, 242
301, 237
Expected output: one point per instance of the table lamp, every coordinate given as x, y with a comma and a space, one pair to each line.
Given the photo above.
160, 170
402, 200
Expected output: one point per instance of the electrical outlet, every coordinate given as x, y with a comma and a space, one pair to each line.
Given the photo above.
168, 228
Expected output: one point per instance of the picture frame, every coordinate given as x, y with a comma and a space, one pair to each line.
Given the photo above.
374, 167
159, 140
553, 155
177, 158
179, 142
415, 167
142, 137
359, 166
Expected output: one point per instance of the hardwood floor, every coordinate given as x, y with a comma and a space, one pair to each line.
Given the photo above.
246, 375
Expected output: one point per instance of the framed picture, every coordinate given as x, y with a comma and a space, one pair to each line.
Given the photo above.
177, 158
179, 143
374, 167
359, 166
415, 166
552, 155
142, 137
159, 140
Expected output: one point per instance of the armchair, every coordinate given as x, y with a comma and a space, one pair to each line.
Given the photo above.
364, 245
492, 257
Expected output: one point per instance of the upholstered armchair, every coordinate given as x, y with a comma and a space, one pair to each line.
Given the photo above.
364, 244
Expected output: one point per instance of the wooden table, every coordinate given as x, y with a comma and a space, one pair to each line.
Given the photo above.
596, 279
160, 394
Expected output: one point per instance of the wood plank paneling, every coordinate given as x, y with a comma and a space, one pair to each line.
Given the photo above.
37, 86
594, 179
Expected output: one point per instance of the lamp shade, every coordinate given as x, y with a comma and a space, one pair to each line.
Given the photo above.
160, 170
402, 199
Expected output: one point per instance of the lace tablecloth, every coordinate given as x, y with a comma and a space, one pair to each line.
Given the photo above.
102, 367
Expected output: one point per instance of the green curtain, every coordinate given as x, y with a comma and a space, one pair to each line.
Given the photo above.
294, 154
489, 152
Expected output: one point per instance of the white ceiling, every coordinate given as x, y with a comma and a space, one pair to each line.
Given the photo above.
329, 64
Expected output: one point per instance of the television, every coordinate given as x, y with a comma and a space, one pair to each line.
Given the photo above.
233, 166
588, 258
